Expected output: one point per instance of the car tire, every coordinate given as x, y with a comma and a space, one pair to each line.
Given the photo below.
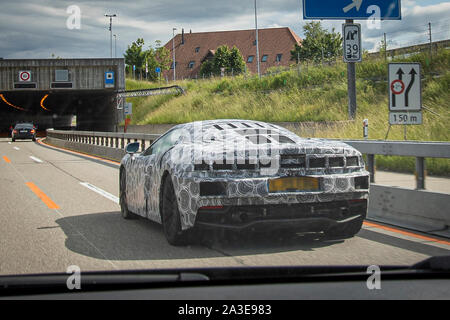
344, 231
34, 139
171, 219
13, 140
126, 214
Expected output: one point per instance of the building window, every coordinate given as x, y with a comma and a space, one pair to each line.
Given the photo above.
197, 49
250, 59
264, 58
191, 64
279, 56
61, 75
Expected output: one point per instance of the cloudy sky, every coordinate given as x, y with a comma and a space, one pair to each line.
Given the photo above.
38, 28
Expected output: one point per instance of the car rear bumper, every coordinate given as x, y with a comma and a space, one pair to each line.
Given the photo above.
311, 217
24, 136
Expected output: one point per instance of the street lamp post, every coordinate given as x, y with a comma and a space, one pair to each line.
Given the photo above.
110, 16
173, 50
257, 43
115, 45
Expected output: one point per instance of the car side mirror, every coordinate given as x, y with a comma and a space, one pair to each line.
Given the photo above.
132, 147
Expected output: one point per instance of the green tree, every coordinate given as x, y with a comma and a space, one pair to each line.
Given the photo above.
135, 55
150, 58
318, 44
229, 59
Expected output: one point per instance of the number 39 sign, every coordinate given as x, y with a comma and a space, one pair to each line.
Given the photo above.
351, 33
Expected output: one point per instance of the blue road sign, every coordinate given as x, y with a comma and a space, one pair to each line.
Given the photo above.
352, 9
109, 79
158, 69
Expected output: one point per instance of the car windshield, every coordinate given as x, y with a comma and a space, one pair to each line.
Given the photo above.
271, 133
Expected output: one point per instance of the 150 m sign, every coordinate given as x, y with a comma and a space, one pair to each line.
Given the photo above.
405, 118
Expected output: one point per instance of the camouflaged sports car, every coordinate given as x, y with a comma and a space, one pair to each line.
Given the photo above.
244, 175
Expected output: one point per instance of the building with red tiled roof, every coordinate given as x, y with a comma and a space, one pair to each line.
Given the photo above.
191, 49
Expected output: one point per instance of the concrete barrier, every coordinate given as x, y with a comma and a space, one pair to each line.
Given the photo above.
414, 209
99, 151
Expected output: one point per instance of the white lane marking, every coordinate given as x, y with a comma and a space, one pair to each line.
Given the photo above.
17, 148
101, 192
36, 159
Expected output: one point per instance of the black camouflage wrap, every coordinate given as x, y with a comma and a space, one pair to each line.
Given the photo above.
219, 146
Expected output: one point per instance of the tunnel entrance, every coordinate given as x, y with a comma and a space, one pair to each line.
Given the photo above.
78, 110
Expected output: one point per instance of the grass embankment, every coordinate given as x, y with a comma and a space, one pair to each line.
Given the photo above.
313, 94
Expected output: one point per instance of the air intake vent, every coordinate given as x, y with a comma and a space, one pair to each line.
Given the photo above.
222, 166
246, 166
292, 161
201, 166
213, 189
336, 162
317, 162
352, 161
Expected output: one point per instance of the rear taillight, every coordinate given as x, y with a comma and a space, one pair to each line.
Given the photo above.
14, 131
32, 131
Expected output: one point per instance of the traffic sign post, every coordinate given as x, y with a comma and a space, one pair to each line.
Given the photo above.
405, 93
349, 10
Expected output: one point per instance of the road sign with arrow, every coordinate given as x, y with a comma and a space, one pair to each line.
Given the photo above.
352, 42
405, 93
351, 9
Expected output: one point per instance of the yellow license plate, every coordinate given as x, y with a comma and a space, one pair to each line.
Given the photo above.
293, 184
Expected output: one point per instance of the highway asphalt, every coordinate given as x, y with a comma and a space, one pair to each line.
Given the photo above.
61, 208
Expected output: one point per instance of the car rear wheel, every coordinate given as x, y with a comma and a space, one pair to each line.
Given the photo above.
171, 219
126, 214
13, 139
344, 231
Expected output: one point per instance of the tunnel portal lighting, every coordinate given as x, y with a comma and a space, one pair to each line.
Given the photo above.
42, 102
10, 104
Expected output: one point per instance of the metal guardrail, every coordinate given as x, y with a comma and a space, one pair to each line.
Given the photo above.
150, 92
105, 139
418, 149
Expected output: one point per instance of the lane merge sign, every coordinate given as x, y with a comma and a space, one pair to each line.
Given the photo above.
352, 9
24, 76
352, 42
405, 93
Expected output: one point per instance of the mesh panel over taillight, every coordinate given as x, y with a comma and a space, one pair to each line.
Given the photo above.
292, 161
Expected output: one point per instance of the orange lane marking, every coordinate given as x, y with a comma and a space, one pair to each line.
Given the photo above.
6, 159
41, 195
80, 153
414, 235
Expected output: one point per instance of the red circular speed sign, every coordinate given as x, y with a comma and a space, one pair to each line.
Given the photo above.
397, 86
24, 76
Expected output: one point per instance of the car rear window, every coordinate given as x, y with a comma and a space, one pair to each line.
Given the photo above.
24, 126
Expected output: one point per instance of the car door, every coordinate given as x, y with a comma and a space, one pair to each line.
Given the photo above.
145, 166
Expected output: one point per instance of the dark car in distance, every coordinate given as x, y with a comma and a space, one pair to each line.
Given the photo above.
24, 131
